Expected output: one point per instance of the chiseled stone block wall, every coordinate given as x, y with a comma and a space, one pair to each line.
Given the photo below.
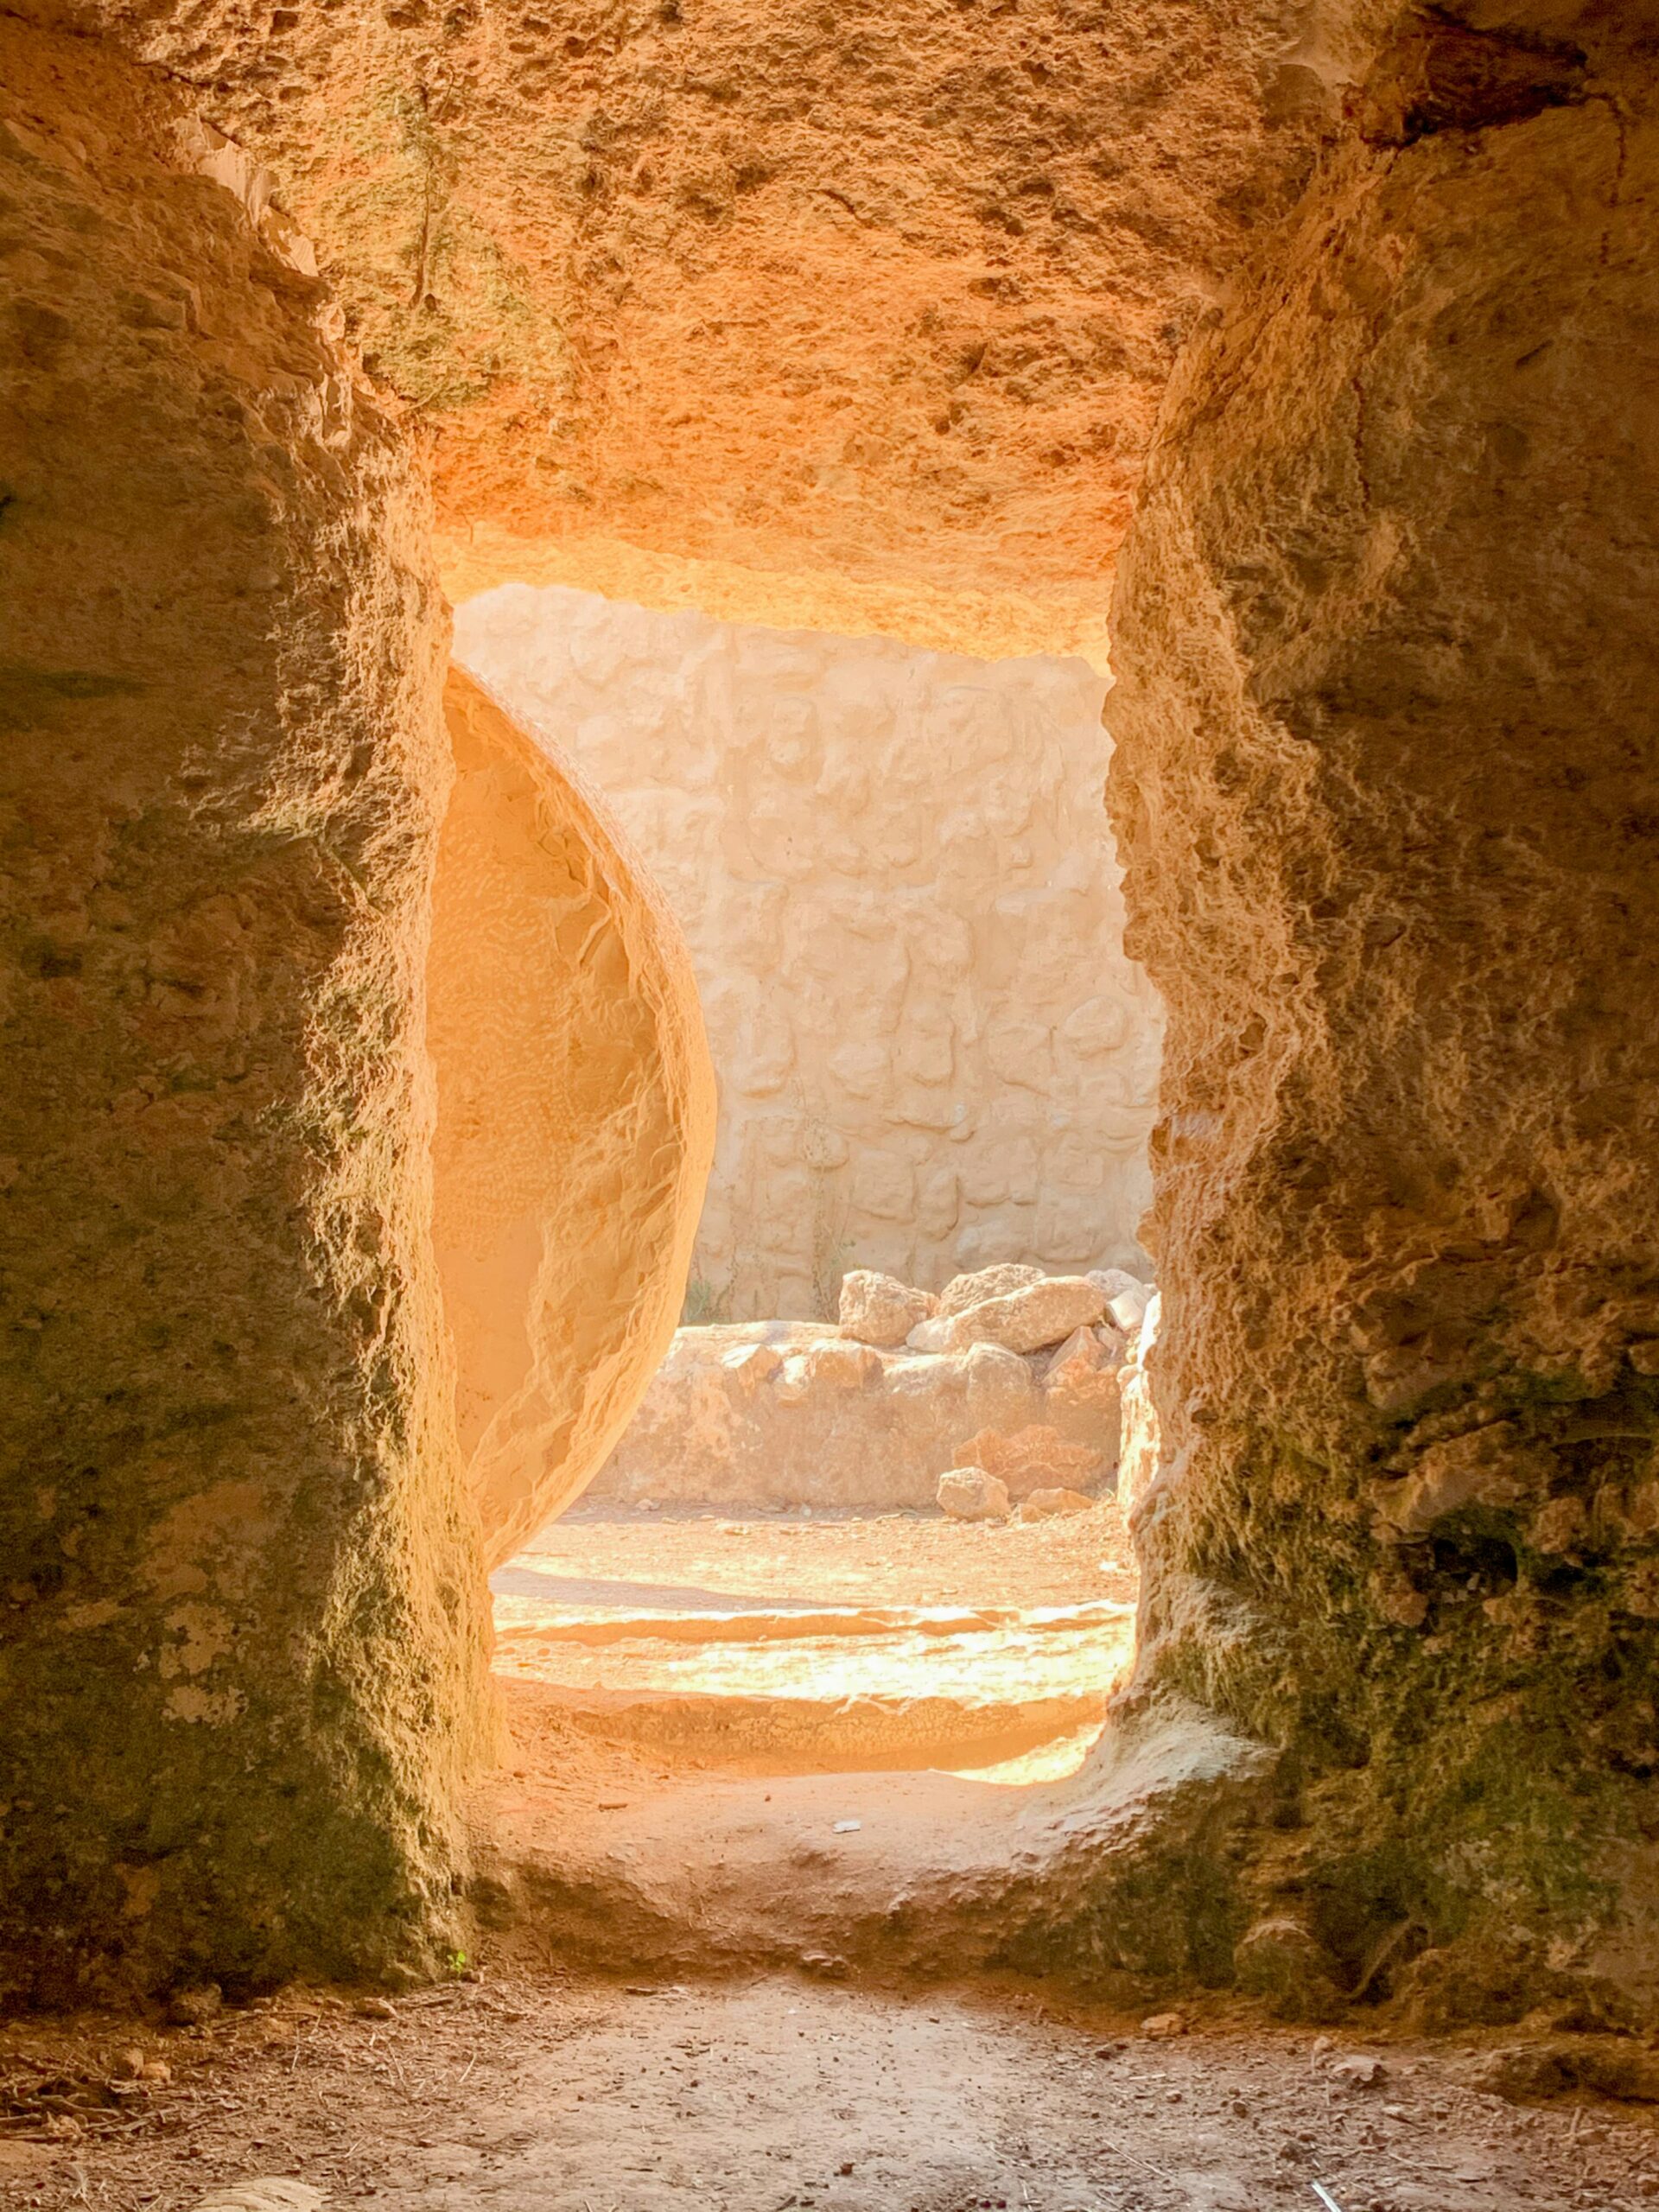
896, 876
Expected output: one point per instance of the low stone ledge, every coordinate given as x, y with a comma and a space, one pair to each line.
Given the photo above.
777, 1415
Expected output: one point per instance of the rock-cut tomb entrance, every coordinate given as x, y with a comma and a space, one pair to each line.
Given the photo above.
831, 1543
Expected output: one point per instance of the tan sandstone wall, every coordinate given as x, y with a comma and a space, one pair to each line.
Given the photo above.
241, 1630
1387, 730
895, 875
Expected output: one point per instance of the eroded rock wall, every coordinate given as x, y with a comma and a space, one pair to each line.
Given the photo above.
241, 1628
874, 301
1385, 786
901, 899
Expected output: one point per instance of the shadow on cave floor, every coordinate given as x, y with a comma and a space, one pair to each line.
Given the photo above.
545, 2092
585, 1593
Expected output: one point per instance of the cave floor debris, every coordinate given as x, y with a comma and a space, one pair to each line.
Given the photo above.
538, 2090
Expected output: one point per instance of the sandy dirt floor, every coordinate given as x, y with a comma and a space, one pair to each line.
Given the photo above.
674, 1562
745, 1743
525, 2086
539, 2094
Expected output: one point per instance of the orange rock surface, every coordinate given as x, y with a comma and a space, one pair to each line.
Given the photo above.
243, 1635
575, 1119
878, 301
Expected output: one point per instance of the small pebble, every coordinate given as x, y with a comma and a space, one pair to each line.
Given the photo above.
1361, 2071
193, 2008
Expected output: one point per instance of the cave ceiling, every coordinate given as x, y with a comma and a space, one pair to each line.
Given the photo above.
849, 313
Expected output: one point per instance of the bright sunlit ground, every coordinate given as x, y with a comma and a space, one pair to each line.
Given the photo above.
983, 1648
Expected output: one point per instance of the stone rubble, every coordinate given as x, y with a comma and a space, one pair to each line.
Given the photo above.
984, 1283
877, 1309
1082, 1383
1127, 1297
1036, 1458
969, 1494
1050, 1504
1029, 1319
858, 1417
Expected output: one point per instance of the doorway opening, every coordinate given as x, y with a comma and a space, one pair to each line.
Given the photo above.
867, 1520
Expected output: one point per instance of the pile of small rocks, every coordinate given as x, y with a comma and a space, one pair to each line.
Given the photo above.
1009, 1371
1089, 1325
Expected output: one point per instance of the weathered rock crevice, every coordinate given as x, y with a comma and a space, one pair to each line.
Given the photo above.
245, 1636
1441, 74
297, 1337
1384, 740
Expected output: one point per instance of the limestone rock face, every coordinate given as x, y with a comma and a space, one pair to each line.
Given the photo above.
980, 1284
969, 1494
1032, 1319
1140, 1436
787, 301
783, 1414
575, 1119
241, 1659
999, 1387
1389, 688
894, 874
1035, 1458
877, 1309
1082, 1388
1083, 1354
1127, 1297
1054, 1504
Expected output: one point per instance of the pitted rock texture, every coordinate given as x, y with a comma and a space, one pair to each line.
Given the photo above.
1384, 779
1037, 1459
1037, 1315
575, 1119
241, 1641
978, 1284
775, 1413
1082, 1374
877, 1309
970, 1494
1139, 1439
883, 294
895, 876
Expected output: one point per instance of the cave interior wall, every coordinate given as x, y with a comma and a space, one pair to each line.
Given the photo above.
1382, 787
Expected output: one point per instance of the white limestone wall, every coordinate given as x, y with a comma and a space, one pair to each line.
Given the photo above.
894, 872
